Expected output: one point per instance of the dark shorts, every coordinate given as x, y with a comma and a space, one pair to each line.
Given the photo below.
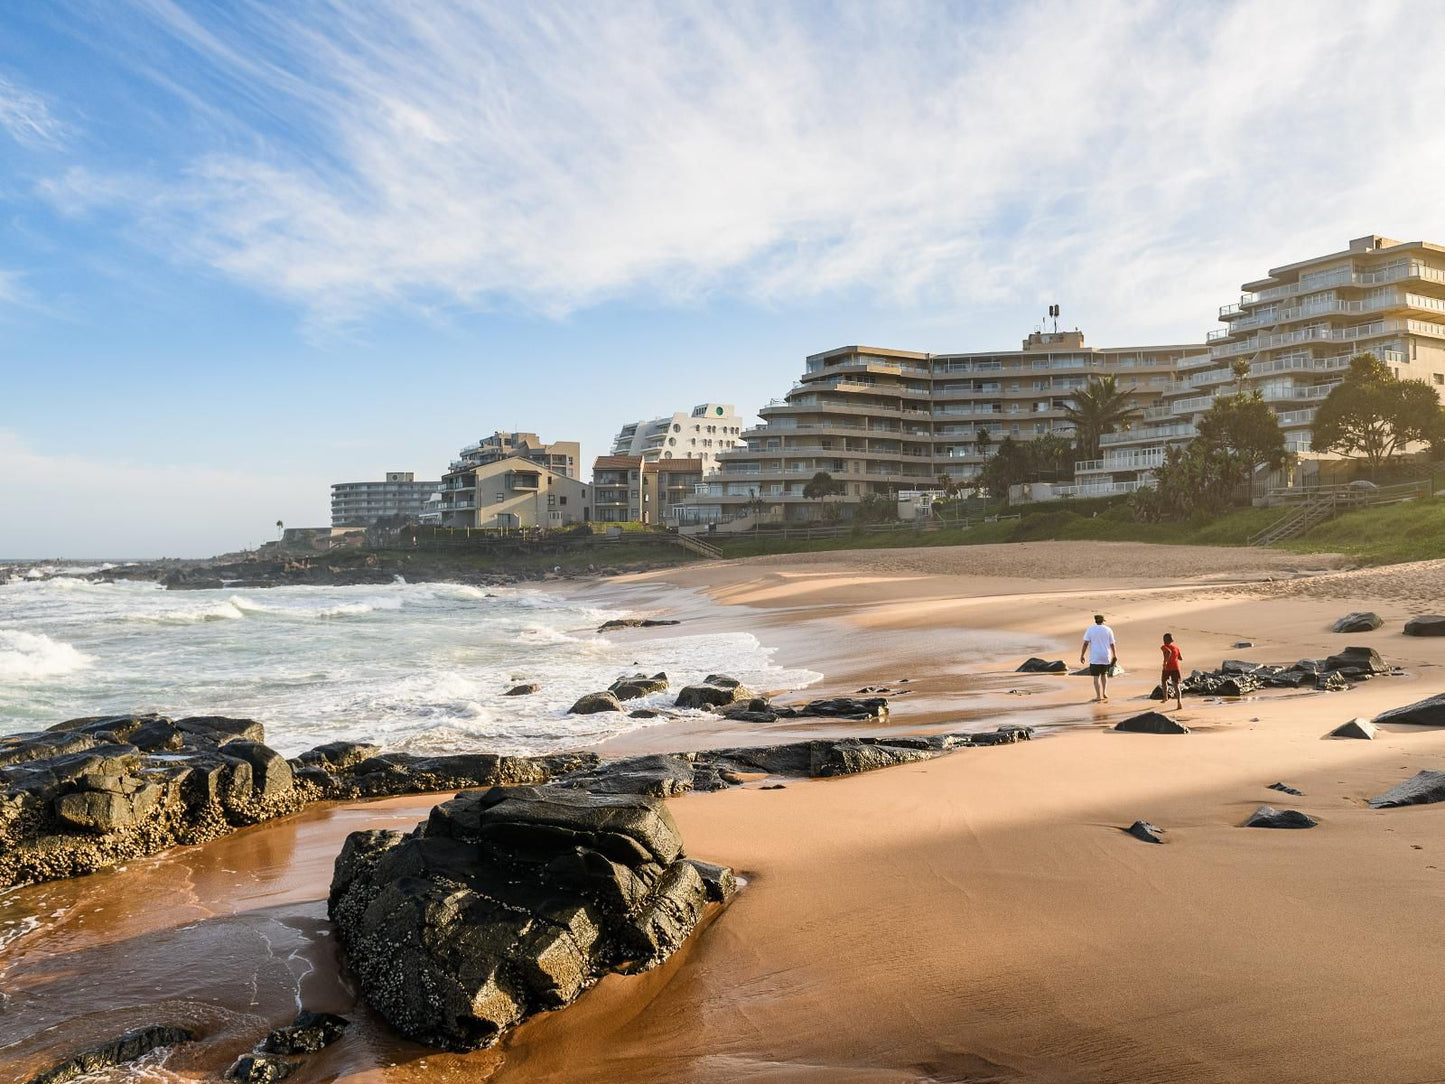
1171, 675
1100, 669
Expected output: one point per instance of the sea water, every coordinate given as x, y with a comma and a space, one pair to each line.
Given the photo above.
415, 667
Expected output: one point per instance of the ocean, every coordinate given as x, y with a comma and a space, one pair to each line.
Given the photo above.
414, 667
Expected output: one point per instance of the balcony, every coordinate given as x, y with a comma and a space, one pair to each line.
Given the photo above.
523, 481
1190, 406
1180, 431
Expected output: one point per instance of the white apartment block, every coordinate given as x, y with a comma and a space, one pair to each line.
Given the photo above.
889, 421
1296, 330
701, 433
362, 504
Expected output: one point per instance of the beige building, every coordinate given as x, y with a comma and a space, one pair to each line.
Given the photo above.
1294, 332
617, 489
666, 483
562, 457
514, 491
892, 421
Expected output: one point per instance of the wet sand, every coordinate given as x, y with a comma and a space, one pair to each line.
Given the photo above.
977, 917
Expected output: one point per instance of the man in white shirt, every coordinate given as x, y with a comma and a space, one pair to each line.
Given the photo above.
1102, 656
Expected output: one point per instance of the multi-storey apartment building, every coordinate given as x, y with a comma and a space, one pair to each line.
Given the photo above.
889, 421
1292, 334
561, 457
511, 492
666, 483
617, 489
362, 504
702, 433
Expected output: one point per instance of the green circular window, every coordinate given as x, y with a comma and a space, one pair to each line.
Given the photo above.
719, 411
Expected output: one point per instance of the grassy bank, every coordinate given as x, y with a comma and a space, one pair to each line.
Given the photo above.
1411, 531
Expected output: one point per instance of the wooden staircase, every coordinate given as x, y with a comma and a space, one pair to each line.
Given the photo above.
1326, 503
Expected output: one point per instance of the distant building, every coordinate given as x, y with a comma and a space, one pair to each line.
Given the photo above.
664, 485
617, 489
319, 538
514, 491
362, 504
562, 457
701, 434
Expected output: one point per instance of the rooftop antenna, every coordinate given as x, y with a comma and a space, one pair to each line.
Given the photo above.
1054, 312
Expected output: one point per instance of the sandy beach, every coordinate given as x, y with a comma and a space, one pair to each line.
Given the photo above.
978, 917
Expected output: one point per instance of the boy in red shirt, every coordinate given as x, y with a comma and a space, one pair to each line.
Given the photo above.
1172, 658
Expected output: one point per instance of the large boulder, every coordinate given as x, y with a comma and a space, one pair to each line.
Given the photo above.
507, 902
592, 703
638, 685
1426, 625
1424, 788
1151, 722
1356, 660
1355, 728
1036, 665
716, 691
1427, 712
1362, 621
308, 1033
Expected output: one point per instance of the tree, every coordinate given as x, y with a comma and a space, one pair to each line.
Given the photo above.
1101, 407
1240, 368
1194, 477
983, 440
948, 485
1245, 433
876, 508
1374, 415
1016, 461
822, 486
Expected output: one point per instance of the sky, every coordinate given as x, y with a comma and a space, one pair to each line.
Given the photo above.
251, 249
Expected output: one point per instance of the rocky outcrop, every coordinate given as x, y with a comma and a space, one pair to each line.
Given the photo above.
1426, 625
1363, 621
119, 1051
634, 623
1355, 728
1427, 712
508, 902
1145, 832
592, 703
638, 685
1042, 666
1425, 788
1238, 677
1268, 817
90, 793
1152, 722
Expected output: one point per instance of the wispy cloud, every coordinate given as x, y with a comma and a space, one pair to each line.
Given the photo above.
1126, 156
26, 117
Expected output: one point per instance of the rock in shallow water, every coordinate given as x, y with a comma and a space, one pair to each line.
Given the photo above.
261, 1069
117, 1052
508, 902
308, 1033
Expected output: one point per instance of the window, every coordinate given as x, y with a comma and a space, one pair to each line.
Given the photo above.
563, 501
1439, 378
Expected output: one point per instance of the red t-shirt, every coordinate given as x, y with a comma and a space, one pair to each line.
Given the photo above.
1172, 656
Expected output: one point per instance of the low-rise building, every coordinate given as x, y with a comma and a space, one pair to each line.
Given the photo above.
702, 433
617, 489
363, 504
514, 491
561, 457
666, 483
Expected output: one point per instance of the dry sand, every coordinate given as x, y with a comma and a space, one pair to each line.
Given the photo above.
977, 917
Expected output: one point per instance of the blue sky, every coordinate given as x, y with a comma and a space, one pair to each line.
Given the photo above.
248, 249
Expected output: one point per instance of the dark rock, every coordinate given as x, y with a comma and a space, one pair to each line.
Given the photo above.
1151, 722
854, 709
593, 703
125, 1048
1042, 666
1290, 679
1269, 817
270, 773
1426, 625
1332, 682
1425, 788
1239, 666
526, 689
1365, 659
638, 685
1286, 788
1362, 621
633, 623
508, 902
1143, 830
658, 774
715, 692
261, 1069
338, 755
217, 729
1355, 728
1427, 712
308, 1033
720, 882
645, 713
850, 756
1243, 644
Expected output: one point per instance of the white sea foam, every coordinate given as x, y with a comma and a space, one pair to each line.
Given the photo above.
36, 657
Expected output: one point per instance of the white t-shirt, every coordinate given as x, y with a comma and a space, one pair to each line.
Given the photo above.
1100, 639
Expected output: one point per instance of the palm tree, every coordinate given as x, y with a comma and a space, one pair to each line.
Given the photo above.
1100, 408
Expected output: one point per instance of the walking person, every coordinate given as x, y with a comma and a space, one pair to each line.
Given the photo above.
1102, 655
1171, 672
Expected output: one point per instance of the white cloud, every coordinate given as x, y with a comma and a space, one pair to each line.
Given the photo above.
1133, 160
74, 506
26, 117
